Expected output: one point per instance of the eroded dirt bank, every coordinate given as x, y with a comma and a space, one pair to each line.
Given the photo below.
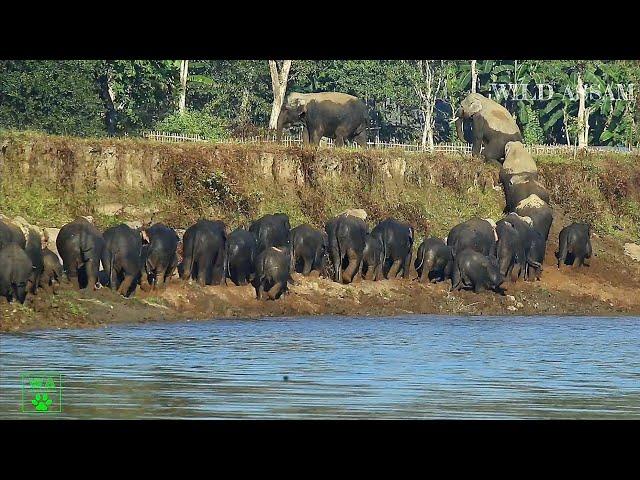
610, 286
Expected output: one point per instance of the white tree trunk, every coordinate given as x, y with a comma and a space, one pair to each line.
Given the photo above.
583, 124
184, 71
565, 121
279, 79
474, 76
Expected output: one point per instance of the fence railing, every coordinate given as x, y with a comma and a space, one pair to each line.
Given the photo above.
460, 148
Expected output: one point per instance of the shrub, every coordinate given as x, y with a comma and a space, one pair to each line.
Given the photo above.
195, 123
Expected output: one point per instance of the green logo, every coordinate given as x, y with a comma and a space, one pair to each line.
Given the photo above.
41, 392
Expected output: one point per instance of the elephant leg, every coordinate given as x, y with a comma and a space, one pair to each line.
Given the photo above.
336, 258
361, 139
494, 151
125, 286
275, 290
259, 289
315, 136
306, 269
92, 273
339, 141
202, 273
352, 267
562, 254
406, 265
395, 269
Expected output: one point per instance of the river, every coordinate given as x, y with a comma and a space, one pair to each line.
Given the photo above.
334, 367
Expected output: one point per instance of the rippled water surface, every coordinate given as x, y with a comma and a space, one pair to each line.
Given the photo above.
337, 367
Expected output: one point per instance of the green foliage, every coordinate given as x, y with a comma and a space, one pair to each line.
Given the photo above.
194, 123
59, 97
533, 133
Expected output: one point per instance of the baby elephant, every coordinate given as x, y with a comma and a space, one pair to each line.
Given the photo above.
434, 260
52, 273
574, 245
272, 272
15, 273
474, 270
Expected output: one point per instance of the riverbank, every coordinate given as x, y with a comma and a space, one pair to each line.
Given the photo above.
49, 180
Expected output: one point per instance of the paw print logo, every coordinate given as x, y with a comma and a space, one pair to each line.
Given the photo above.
42, 402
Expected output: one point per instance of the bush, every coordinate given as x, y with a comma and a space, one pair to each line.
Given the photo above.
195, 123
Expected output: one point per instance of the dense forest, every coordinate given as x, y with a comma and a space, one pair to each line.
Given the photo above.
565, 102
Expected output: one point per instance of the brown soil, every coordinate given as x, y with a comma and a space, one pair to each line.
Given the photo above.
609, 286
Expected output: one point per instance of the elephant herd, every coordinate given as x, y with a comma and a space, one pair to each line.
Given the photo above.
477, 254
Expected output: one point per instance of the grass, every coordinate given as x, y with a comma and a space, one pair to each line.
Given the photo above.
179, 183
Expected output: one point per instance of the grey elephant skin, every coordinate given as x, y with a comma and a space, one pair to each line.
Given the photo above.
326, 114
476, 271
122, 258
347, 237
240, 256
15, 273
476, 234
492, 126
272, 231
308, 246
397, 243
272, 273
204, 249
434, 260
80, 246
574, 245
160, 258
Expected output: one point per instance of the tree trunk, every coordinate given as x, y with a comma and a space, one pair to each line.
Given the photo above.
565, 121
184, 71
474, 76
583, 125
279, 79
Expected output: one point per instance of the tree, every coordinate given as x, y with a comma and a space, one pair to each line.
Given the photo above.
184, 72
279, 79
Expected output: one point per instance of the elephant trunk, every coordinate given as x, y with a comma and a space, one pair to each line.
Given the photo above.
459, 129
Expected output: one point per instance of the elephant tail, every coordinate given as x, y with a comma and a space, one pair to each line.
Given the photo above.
225, 266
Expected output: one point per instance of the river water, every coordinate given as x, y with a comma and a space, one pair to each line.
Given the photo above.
335, 367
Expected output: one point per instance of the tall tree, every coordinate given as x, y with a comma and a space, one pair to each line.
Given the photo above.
279, 79
184, 73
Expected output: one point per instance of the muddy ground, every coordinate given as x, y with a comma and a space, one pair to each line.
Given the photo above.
609, 286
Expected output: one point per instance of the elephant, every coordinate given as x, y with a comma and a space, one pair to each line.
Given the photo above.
434, 260
397, 244
80, 246
537, 247
122, 258
510, 250
492, 126
272, 272
326, 114
308, 248
533, 244
272, 231
477, 271
372, 259
241, 251
514, 193
477, 234
11, 233
574, 245
518, 160
160, 258
347, 237
204, 249
540, 213
15, 273
52, 272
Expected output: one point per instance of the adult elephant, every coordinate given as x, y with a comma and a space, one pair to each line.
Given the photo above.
80, 246
540, 213
492, 126
476, 234
15, 272
160, 256
122, 258
204, 251
397, 244
271, 231
240, 256
326, 114
347, 236
308, 248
